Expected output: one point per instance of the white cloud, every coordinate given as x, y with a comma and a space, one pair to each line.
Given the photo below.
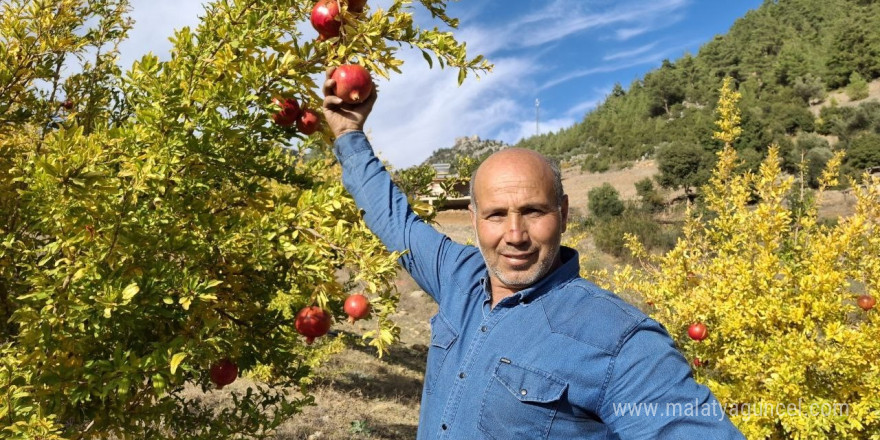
525, 129
424, 109
630, 53
649, 59
560, 19
624, 34
563, 18
582, 108
652, 23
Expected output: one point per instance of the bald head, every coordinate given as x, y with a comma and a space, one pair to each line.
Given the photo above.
515, 160
520, 218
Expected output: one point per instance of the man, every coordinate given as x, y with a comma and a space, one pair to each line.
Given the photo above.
523, 347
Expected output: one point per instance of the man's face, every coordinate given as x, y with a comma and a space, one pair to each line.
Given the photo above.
517, 220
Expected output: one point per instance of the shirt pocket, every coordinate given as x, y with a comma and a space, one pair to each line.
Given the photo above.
520, 402
443, 336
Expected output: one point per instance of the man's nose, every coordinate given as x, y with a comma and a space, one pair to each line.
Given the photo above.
516, 230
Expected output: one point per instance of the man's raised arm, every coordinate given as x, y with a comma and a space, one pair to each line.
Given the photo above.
430, 254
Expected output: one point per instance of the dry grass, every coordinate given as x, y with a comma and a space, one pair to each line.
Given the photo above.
842, 99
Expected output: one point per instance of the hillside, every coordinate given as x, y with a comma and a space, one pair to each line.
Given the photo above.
783, 57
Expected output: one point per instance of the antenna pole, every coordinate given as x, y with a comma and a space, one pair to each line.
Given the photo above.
537, 112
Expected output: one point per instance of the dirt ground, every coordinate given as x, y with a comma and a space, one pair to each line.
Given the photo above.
842, 99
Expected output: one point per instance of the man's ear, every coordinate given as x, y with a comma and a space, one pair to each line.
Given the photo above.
563, 210
472, 211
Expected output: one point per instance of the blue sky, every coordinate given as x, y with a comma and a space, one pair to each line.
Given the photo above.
566, 53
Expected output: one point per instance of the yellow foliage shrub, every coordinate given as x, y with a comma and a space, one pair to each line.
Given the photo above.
789, 353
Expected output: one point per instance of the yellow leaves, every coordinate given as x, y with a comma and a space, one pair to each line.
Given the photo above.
770, 185
176, 359
635, 247
382, 339
829, 177
728, 121
776, 291
129, 292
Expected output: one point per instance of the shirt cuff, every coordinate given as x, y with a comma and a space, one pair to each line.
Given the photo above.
351, 143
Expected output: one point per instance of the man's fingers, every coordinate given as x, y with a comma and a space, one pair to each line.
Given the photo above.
368, 103
329, 87
332, 101
329, 84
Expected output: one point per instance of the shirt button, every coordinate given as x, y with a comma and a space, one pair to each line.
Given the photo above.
462, 375
484, 329
523, 391
443, 427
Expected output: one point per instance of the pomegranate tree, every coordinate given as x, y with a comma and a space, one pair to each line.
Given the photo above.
216, 219
353, 83
312, 322
224, 373
357, 306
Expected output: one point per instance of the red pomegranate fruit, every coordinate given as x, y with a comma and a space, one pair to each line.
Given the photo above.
288, 111
312, 322
223, 373
698, 331
866, 302
356, 5
353, 83
324, 18
308, 122
357, 307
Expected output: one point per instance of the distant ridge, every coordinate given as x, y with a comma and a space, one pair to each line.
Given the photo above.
471, 146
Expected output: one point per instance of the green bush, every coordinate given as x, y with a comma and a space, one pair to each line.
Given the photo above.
650, 199
857, 88
608, 234
863, 153
684, 166
595, 164
604, 202
816, 159
809, 88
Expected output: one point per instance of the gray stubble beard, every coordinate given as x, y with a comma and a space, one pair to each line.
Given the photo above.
543, 266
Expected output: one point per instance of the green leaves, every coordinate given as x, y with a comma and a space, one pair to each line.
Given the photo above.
159, 221
129, 292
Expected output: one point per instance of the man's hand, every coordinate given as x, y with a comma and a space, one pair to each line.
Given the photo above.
342, 117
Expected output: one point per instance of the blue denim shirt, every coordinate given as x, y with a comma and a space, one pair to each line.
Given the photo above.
562, 359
